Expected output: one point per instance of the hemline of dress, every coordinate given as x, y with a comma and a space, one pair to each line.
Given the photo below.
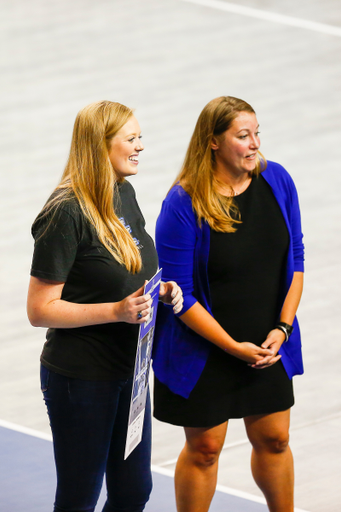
209, 425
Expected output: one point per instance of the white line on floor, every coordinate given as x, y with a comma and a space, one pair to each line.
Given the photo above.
269, 16
25, 430
317, 421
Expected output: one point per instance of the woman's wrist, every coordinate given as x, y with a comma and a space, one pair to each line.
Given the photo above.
285, 328
114, 312
233, 348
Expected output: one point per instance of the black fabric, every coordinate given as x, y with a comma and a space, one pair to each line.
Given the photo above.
245, 271
69, 251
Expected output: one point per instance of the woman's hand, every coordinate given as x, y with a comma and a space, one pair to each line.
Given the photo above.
134, 309
274, 341
171, 293
253, 354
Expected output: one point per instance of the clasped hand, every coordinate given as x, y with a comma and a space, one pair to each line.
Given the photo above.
264, 356
273, 342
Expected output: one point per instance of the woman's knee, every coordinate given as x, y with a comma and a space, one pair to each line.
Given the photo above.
273, 442
269, 432
205, 450
203, 445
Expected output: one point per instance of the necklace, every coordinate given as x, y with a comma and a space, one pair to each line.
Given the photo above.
242, 188
228, 190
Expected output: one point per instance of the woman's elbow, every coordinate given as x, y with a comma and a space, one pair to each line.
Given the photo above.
35, 316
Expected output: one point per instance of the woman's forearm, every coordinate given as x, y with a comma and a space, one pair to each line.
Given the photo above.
61, 314
292, 299
45, 308
200, 321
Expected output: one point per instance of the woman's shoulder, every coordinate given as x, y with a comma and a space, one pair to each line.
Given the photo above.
60, 206
177, 210
276, 168
276, 174
58, 211
70, 206
178, 197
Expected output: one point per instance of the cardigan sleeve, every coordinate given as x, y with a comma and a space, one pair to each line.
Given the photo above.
175, 239
296, 230
285, 192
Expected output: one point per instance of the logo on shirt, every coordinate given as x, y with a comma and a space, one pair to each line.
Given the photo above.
128, 228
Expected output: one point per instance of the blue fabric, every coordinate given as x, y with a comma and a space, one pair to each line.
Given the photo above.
179, 354
89, 422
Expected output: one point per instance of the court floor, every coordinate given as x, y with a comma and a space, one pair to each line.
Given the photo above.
28, 479
168, 59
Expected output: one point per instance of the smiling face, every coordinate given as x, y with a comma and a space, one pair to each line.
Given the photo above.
125, 148
236, 149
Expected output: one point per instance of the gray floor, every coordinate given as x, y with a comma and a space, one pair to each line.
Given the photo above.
167, 59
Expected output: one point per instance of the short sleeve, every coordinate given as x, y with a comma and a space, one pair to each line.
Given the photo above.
56, 242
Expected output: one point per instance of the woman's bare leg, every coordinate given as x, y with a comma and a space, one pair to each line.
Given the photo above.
197, 466
271, 461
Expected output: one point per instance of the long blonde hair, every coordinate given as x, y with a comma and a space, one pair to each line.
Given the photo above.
197, 172
89, 177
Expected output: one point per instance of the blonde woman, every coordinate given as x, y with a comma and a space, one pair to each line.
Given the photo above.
91, 258
229, 233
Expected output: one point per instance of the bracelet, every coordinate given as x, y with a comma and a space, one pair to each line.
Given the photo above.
286, 328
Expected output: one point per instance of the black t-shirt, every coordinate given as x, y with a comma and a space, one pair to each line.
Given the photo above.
69, 251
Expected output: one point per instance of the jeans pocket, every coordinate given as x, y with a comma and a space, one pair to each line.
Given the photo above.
44, 378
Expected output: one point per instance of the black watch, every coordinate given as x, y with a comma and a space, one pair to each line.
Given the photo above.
286, 328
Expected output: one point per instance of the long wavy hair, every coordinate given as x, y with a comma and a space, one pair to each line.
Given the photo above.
90, 178
197, 172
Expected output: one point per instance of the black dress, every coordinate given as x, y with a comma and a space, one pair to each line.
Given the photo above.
246, 271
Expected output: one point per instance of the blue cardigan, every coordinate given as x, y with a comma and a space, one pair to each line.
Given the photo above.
179, 354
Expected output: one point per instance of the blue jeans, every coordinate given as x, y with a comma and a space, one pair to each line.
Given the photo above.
89, 425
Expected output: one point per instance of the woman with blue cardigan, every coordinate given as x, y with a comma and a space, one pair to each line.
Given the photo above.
229, 233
